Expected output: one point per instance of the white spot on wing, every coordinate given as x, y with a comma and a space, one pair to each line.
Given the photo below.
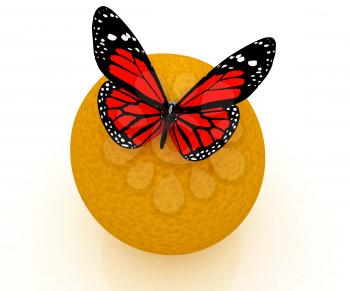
252, 63
111, 37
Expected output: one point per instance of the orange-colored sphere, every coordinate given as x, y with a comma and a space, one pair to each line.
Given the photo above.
155, 200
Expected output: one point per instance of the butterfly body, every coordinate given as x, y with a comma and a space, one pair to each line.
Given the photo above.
168, 120
133, 106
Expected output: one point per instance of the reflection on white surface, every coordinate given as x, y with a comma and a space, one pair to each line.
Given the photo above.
214, 268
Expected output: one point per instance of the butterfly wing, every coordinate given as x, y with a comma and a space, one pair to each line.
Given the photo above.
133, 97
206, 117
129, 120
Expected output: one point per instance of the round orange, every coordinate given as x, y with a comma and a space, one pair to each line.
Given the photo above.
155, 200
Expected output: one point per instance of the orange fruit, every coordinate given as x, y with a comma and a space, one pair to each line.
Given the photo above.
155, 200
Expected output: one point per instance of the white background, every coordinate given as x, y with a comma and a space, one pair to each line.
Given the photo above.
297, 235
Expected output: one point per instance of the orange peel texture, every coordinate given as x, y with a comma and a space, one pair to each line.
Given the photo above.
155, 200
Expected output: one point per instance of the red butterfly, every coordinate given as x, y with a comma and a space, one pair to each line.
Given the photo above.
133, 106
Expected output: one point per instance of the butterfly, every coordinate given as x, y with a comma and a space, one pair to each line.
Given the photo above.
134, 109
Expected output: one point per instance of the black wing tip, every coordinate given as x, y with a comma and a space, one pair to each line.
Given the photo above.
103, 9
272, 39
262, 45
267, 39
100, 10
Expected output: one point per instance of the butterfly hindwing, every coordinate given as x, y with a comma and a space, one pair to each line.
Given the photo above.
198, 135
206, 116
129, 120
